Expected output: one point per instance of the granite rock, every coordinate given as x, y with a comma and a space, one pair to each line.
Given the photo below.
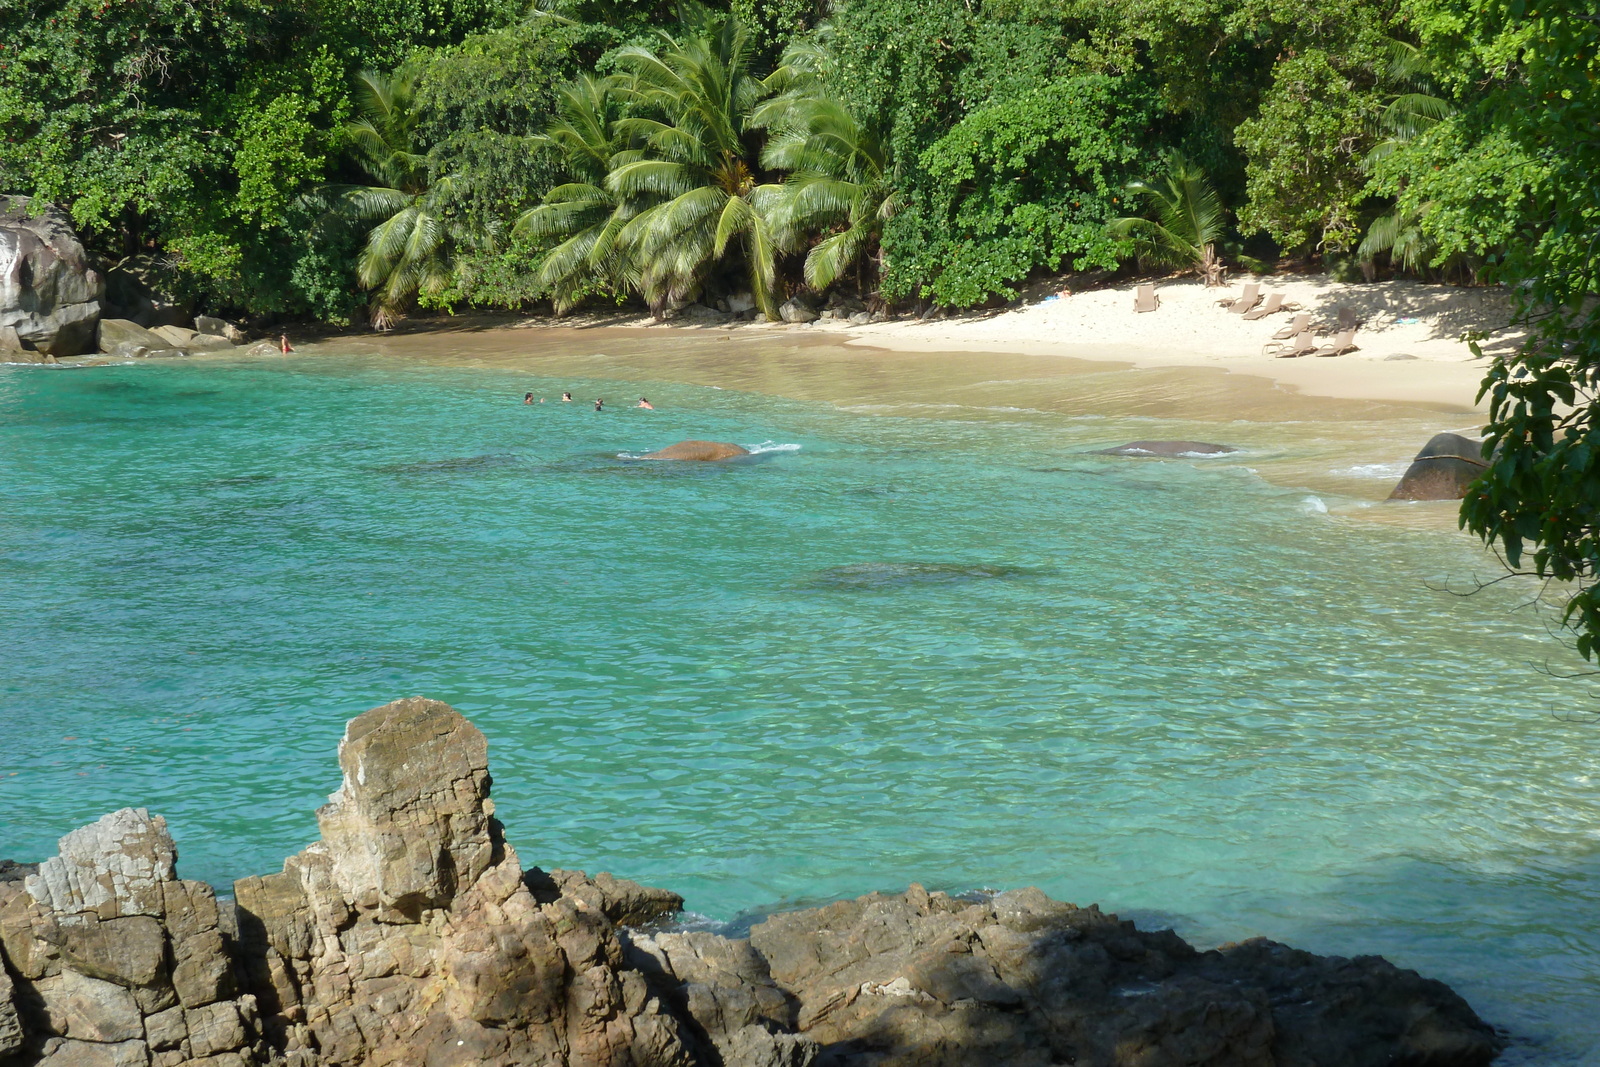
50, 293
1443, 470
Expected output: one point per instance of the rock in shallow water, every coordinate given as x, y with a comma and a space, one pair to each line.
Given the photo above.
49, 293
410, 935
1444, 468
700, 451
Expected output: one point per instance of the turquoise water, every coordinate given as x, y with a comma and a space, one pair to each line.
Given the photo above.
953, 650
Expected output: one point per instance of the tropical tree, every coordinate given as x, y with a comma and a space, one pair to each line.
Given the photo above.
582, 216
408, 243
1411, 111
840, 180
1188, 220
689, 192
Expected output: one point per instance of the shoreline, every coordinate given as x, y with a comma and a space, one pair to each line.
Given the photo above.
1410, 348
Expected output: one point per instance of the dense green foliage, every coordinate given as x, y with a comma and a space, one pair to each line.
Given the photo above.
912, 150
1539, 501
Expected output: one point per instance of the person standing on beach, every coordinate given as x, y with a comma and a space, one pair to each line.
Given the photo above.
646, 404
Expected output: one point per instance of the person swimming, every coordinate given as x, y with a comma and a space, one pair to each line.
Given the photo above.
646, 404
599, 404
527, 398
566, 398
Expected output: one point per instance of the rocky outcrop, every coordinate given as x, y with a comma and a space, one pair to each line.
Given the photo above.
700, 451
408, 934
795, 310
1168, 448
50, 293
118, 962
1444, 468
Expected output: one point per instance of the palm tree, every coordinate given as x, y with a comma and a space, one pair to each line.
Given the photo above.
1189, 220
688, 190
582, 215
1411, 111
408, 245
839, 173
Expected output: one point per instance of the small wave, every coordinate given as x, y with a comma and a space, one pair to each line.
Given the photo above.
1374, 470
1313, 505
766, 447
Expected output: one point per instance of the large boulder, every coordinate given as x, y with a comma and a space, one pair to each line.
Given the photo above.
49, 291
700, 451
925, 980
1444, 468
120, 335
796, 310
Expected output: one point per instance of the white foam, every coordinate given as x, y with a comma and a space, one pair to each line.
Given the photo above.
1374, 470
770, 446
1313, 505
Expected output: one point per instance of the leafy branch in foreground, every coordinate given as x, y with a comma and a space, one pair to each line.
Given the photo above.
1539, 499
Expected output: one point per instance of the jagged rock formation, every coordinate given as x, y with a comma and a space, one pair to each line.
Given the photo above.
409, 935
50, 294
1444, 468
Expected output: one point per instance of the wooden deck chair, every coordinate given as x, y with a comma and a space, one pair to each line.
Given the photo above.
1301, 323
1340, 345
1302, 345
1274, 302
1145, 299
1250, 298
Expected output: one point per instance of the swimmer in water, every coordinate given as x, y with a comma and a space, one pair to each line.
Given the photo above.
527, 398
599, 404
646, 404
566, 398
283, 344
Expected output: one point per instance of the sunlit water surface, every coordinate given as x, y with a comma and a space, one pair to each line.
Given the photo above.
938, 645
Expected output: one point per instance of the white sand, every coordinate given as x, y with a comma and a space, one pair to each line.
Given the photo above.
1400, 319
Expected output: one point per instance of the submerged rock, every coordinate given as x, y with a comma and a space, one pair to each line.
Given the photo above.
1444, 468
409, 935
700, 451
1167, 448
881, 575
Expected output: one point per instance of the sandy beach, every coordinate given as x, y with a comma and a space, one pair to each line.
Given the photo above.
1410, 346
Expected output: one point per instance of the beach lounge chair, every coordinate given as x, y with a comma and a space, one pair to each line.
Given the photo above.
1249, 299
1303, 344
1274, 302
1145, 299
1301, 323
1340, 345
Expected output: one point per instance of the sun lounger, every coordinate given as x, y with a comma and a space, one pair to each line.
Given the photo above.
1302, 345
1145, 299
1301, 323
1249, 299
1340, 345
1274, 303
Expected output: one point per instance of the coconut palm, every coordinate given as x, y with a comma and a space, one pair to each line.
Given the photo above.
1188, 220
582, 215
689, 190
408, 244
839, 174
1411, 111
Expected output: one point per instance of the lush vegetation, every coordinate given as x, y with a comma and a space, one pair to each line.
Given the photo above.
350, 159
347, 158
